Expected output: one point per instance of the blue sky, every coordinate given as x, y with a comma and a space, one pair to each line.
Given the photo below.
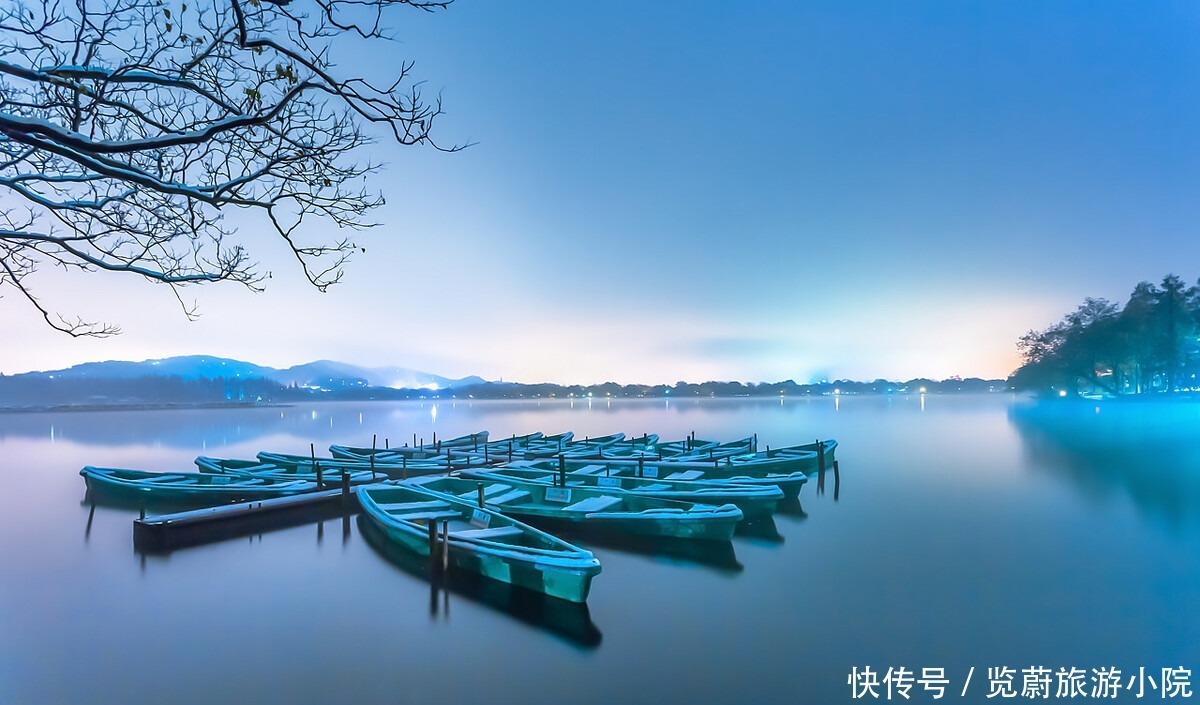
754, 191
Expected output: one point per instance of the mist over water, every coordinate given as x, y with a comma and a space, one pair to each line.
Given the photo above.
968, 531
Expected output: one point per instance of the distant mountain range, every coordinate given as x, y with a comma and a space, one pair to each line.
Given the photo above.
325, 374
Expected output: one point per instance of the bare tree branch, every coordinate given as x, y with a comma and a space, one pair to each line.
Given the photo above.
128, 127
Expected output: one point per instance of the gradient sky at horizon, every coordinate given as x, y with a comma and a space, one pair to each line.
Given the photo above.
756, 191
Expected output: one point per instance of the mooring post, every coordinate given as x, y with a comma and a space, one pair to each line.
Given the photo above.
141, 509
641, 466
754, 444
372, 467
510, 450
485, 455
414, 440
820, 466
320, 480
435, 443
479, 490
385, 443
345, 485
445, 545
404, 467
562, 471
837, 481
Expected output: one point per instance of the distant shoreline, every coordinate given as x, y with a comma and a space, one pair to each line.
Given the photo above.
444, 396
137, 406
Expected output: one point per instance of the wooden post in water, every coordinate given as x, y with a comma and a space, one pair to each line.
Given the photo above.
345, 485
754, 444
141, 509
837, 481
562, 471
479, 490
445, 545
641, 466
414, 440
510, 450
485, 455
372, 457
820, 467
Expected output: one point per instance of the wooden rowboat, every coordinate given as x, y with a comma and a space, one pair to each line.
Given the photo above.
591, 508
754, 501
480, 540
197, 488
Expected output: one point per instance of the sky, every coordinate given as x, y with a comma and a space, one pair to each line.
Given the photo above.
697, 191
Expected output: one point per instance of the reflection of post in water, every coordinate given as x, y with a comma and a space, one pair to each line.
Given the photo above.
345, 529
87, 533
320, 532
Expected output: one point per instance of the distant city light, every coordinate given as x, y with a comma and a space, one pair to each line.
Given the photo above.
922, 390
1062, 392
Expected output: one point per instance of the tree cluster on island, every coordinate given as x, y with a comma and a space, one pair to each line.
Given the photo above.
1149, 345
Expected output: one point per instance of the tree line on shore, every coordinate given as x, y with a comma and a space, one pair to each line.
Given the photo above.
1149, 345
24, 391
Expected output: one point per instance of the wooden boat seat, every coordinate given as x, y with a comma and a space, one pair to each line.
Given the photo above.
488, 491
434, 504
493, 533
433, 515
593, 504
589, 470
685, 475
510, 496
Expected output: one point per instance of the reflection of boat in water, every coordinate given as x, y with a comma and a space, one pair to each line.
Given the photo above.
791, 507
569, 620
718, 555
760, 530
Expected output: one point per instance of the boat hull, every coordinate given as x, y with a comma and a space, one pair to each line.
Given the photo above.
566, 575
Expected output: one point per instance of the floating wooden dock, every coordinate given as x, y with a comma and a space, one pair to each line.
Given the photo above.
195, 527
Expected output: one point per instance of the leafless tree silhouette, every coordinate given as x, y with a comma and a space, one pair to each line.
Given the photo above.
128, 127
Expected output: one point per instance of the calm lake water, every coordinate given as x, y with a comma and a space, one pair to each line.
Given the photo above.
968, 532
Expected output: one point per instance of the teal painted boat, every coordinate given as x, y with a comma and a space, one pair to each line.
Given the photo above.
776, 473
640, 446
394, 467
199, 488
808, 456
754, 501
591, 508
329, 476
481, 541
473, 442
